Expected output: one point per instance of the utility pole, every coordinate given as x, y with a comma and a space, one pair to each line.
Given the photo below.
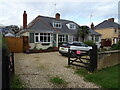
91, 18
55, 7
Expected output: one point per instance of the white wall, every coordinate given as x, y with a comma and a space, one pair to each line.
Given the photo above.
39, 45
97, 43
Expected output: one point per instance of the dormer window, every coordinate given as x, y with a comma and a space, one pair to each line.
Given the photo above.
71, 26
57, 24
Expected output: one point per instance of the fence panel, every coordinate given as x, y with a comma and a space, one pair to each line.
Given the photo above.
15, 44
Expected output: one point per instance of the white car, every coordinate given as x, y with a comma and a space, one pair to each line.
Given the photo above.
75, 46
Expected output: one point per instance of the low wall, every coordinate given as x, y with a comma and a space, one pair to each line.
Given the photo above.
108, 58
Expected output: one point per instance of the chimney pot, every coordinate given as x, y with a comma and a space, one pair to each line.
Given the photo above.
57, 16
92, 26
111, 19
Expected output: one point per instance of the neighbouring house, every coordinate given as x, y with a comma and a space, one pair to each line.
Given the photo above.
7, 32
95, 36
44, 32
109, 30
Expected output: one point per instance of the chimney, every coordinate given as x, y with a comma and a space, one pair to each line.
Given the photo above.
24, 20
57, 16
111, 19
92, 26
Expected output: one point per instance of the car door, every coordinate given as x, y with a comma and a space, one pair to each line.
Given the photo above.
82, 46
77, 46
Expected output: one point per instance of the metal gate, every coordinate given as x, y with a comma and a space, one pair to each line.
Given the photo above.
85, 59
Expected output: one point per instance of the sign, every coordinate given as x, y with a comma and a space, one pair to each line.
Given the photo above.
78, 52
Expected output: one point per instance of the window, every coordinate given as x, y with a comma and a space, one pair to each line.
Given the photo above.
36, 37
92, 38
57, 24
75, 38
115, 31
31, 38
96, 38
43, 37
62, 38
71, 26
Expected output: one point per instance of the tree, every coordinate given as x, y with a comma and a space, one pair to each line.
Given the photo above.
82, 32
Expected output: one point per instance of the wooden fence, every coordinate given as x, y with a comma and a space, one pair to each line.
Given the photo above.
17, 44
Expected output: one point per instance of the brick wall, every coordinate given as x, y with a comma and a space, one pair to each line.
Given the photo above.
108, 58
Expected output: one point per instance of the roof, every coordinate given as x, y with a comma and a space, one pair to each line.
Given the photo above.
107, 24
9, 34
7, 30
93, 32
44, 24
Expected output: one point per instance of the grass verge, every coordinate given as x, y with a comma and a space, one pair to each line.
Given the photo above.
57, 80
106, 78
16, 83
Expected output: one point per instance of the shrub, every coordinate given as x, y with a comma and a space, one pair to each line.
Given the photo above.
115, 46
90, 42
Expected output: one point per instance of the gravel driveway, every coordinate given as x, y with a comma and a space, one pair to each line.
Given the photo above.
36, 70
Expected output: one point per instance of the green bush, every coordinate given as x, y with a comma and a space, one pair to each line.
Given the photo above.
89, 42
115, 46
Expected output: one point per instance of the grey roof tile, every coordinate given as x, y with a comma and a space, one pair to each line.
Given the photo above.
93, 32
107, 24
45, 24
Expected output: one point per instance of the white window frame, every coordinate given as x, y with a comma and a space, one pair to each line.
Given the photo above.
35, 37
63, 38
97, 38
55, 24
71, 24
39, 39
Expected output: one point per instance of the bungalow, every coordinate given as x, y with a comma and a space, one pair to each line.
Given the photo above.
44, 32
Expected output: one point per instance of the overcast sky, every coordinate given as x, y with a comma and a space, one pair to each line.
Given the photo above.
78, 11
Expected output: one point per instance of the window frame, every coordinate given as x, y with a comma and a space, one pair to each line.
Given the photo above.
62, 38
48, 37
71, 26
96, 38
55, 23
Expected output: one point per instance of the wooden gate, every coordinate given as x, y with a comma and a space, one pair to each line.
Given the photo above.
85, 59
16, 44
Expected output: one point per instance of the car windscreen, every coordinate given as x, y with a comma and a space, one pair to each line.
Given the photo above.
64, 44
82, 44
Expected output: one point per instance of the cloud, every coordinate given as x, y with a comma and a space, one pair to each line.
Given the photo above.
80, 12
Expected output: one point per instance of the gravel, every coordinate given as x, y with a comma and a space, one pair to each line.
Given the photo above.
36, 70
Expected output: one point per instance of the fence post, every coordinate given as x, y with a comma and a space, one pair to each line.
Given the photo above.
93, 59
13, 63
68, 55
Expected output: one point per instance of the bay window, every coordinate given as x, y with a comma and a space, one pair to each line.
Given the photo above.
43, 37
